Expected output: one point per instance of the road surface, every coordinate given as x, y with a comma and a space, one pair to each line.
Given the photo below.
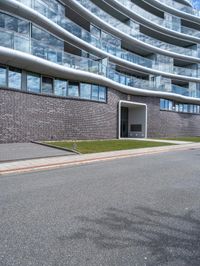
135, 211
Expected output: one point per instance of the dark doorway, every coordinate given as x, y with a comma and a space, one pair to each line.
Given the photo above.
124, 122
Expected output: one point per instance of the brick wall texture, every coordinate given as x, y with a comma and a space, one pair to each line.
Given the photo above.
25, 117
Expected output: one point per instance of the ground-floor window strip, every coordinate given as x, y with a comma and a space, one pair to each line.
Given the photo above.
32, 82
169, 105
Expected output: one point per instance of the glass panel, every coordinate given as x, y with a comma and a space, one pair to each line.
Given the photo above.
47, 85
60, 87
23, 27
162, 104
85, 91
95, 92
46, 38
6, 39
102, 94
95, 31
2, 20
14, 78
73, 89
33, 82
3, 76
11, 23
21, 44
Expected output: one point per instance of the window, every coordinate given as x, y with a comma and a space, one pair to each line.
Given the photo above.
180, 107
162, 104
102, 94
11, 23
33, 82
170, 105
73, 89
95, 31
22, 44
47, 85
191, 109
3, 73
46, 38
85, 91
6, 39
185, 108
60, 87
95, 92
14, 78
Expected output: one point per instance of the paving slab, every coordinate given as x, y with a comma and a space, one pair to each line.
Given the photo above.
24, 151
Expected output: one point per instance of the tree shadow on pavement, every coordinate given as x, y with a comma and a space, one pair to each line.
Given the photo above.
166, 237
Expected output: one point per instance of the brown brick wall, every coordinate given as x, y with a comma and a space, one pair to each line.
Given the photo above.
26, 117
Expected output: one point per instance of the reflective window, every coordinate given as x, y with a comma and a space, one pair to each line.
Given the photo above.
2, 20
3, 72
102, 94
162, 104
95, 92
6, 39
23, 27
60, 87
85, 91
47, 85
185, 108
14, 24
21, 43
11, 23
170, 105
179, 107
14, 78
95, 31
46, 38
73, 89
33, 82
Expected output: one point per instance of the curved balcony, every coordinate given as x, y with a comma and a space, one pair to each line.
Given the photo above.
62, 21
45, 48
171, 24
177, 8
130, 57
134, 33
181, 7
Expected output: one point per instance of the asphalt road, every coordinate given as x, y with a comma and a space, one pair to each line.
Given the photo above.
135, 211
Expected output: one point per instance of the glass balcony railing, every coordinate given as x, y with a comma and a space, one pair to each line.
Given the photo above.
134, 33
180, 90
181, 7
40, 49
87, 36
170, 22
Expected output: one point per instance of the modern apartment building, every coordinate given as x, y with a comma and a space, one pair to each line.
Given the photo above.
96, 69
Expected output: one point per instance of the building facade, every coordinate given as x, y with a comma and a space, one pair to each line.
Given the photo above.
98, 69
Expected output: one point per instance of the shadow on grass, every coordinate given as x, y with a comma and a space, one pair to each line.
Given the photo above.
165, 237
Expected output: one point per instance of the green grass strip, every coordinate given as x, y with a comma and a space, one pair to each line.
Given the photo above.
96, 146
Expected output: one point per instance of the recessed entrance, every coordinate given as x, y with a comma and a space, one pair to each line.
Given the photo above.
132, 120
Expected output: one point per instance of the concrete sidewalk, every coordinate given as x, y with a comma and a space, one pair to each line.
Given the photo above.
25, 151
161, 140
62, 161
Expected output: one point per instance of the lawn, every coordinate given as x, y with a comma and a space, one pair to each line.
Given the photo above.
190, 139
105, 145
